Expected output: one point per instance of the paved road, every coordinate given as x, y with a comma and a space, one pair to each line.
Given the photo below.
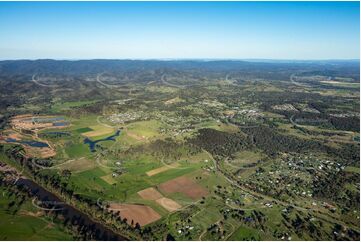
170, 84
41, 84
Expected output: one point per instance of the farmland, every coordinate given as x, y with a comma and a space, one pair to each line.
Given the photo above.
190, 153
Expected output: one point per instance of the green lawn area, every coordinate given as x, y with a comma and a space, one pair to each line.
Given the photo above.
77, 150
90, 182
83, 130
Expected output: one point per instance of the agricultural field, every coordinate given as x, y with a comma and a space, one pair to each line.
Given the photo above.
263, 152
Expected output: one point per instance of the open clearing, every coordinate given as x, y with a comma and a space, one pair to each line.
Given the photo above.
137, 213
161, 169
144, 129
98, 130
185, 186
109, 179
168, 204
78, 165
150, 194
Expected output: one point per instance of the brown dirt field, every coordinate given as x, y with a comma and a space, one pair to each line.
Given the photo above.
168, 204
184, 185
138, 213
161, 169
150, 194
40, 152
20, 122
97, 133
158, 170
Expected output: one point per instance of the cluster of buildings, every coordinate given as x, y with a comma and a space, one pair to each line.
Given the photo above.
127, 117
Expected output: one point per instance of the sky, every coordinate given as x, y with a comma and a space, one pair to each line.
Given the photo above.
180, 30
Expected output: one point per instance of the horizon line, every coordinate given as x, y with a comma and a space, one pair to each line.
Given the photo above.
182, 59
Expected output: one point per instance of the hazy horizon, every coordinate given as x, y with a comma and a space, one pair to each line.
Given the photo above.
183, 59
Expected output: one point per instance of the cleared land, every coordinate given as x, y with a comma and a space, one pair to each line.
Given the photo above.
137, 213
150, 194
185, 186
168, 204
98, 130
161, 169
109, 179
78, 165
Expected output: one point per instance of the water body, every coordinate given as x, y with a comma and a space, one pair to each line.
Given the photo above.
56, 133
59, 124
31, 143
92, 144
45, 120
49, 201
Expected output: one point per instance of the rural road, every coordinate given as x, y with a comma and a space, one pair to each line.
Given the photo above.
41, 84
170, 84
297, 83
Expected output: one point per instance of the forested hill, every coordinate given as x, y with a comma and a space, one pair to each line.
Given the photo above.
81, 67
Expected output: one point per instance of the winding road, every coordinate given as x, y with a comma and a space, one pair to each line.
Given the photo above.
41, 84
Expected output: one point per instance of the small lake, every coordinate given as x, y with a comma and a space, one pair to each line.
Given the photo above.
55, 133
31, 143
92, 144
59, 124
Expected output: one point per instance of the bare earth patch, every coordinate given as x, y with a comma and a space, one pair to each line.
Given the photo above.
98, 130
184, 185
135, 136
137, 213
150, 194
45, 152
161, 169
158, 170
168, 204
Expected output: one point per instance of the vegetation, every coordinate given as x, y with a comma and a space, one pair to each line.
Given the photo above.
254, 151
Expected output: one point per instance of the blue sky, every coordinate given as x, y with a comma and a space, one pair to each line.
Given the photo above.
142, 30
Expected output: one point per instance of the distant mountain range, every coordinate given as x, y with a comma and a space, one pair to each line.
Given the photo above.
80, 67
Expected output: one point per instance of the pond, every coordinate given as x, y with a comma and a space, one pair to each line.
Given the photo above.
31, 143
59, 124
57, 133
